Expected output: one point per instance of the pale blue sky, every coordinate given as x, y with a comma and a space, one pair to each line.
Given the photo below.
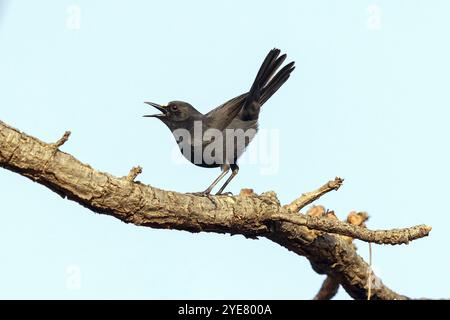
367, 104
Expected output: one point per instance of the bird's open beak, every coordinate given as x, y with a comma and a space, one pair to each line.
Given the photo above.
163, 109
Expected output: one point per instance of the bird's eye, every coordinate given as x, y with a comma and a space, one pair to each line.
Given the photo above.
174, 108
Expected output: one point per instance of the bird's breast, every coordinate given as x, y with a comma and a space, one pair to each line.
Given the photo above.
214, 148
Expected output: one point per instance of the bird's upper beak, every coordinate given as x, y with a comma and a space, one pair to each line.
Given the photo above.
163, 109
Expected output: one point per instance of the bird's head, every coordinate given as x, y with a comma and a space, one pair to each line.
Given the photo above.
174, 111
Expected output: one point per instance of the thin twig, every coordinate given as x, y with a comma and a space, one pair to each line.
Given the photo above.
55, 147
310, 197
62, 140
394, 236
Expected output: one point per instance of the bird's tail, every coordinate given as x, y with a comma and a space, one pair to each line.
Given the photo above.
266, 83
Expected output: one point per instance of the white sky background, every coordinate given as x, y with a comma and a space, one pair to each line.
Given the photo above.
368, 101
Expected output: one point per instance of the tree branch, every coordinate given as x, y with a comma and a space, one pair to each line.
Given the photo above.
246, 214
312, 196
62, 140
328, 290
394, 236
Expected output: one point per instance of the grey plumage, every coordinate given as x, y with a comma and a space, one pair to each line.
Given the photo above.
238, 115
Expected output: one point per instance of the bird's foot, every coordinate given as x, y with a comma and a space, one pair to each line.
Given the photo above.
228, 194
206, 193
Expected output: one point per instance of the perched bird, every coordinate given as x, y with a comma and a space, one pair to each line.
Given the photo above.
218, 138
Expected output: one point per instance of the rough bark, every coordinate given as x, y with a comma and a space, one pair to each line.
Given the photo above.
324, 241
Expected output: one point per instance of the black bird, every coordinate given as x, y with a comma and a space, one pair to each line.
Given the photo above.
218, 138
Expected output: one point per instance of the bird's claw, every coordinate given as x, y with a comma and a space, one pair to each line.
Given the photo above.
200, 194
207, 194
228, 194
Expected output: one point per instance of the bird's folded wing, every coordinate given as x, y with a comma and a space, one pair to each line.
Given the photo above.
220, 117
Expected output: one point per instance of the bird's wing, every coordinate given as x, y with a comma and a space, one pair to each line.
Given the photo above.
220, 117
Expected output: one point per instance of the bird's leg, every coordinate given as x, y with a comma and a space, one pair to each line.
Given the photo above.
225, 169
234, 171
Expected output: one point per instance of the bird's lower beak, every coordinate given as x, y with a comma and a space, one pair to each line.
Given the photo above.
163, 109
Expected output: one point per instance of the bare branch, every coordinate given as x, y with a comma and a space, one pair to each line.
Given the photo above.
330, 285
312, 196
328, 290
55, 147
247, 214
62, 140
394, 236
